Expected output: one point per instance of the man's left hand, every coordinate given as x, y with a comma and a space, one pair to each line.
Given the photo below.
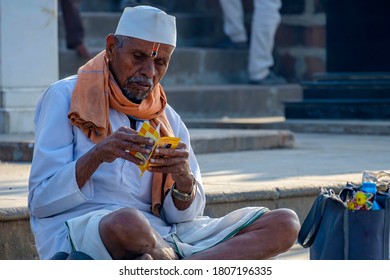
174, 161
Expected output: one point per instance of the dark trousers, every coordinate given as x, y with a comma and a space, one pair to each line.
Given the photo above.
74, 28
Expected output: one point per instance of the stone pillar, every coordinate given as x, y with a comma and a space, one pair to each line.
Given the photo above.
28, 59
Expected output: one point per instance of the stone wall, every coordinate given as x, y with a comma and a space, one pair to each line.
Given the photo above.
28, 60
300, 43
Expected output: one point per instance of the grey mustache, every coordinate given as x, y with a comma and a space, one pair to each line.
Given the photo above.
140, 79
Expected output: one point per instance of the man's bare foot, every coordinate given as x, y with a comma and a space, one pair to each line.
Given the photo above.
162, 251
146, 257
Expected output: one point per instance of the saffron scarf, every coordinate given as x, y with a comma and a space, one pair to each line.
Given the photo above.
95, 92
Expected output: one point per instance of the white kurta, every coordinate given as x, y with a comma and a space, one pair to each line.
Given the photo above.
54, 196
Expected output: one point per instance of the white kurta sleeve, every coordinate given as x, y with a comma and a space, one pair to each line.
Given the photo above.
52, 184
171, 214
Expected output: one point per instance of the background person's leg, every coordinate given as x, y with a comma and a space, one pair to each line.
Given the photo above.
74, 27
265, 21
233, 20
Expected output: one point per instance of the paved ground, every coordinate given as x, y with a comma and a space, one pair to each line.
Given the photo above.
316, 159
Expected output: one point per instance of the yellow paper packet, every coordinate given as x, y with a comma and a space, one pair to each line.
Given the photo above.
159, 142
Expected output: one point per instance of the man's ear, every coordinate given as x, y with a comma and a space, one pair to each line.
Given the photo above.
111, 42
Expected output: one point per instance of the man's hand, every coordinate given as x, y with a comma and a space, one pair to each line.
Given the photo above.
121, 143
174, 161
117, 145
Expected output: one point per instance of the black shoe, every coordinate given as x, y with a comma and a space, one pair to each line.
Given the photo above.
271, 79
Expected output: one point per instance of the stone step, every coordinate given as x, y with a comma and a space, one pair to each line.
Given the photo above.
231, 101
363, 109
347, 86
166, 5
353, 96
188, 66
357, 127
352, 89
351, 76
193, 29
99, 6
17, 240
190, 101
19, 147
17, 120
346, 93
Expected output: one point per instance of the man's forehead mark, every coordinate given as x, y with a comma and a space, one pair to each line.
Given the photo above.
155, 48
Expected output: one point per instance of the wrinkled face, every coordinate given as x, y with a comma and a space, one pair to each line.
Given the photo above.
137, 65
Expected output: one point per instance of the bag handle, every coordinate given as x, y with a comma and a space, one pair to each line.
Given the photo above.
386, 248
312, 223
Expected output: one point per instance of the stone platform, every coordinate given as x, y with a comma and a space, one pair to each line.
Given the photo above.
275, 178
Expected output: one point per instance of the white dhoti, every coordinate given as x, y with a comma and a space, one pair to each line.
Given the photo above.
185, 238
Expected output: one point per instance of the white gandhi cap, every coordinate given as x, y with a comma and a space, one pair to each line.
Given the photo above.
148, 23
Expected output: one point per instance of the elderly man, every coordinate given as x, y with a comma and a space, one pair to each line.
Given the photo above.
87, 193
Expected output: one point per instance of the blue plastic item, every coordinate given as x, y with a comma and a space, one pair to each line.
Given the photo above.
370, 187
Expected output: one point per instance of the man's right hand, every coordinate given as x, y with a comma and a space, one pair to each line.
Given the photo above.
117, 145
121, 143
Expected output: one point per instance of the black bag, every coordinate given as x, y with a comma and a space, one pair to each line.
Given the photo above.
335, 233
